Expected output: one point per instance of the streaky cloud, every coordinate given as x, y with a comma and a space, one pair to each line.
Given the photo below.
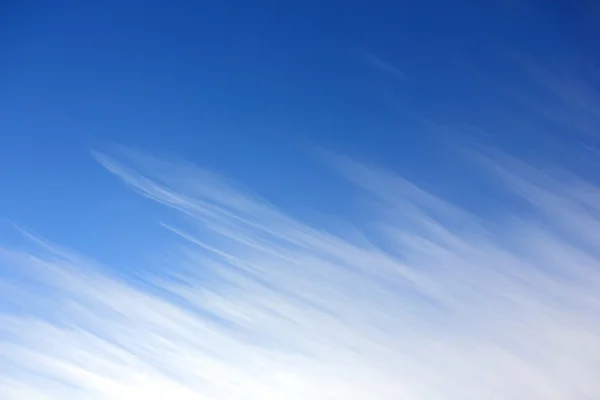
382, 65
261, 305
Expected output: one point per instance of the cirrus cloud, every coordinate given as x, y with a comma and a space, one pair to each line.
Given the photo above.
260, 305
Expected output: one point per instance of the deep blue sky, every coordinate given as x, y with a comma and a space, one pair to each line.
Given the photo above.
247, 88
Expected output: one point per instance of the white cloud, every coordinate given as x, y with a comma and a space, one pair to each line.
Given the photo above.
262, 306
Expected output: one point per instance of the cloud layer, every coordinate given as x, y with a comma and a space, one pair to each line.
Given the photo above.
259, 305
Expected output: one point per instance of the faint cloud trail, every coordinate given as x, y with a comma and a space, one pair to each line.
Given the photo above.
382, 65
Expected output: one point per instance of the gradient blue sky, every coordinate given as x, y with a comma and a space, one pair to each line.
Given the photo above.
252, 91
245, 89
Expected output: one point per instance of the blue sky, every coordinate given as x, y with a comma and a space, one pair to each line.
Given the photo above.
491, 107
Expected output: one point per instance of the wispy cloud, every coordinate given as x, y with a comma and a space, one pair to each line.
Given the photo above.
567, 95
260, 305
382, 65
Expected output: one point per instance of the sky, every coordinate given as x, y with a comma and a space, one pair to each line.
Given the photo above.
298, 200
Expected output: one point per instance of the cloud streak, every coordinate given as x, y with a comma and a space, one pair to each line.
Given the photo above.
260, 305
383, 66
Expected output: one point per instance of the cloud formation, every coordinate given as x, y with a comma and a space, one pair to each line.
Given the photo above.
260, 305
